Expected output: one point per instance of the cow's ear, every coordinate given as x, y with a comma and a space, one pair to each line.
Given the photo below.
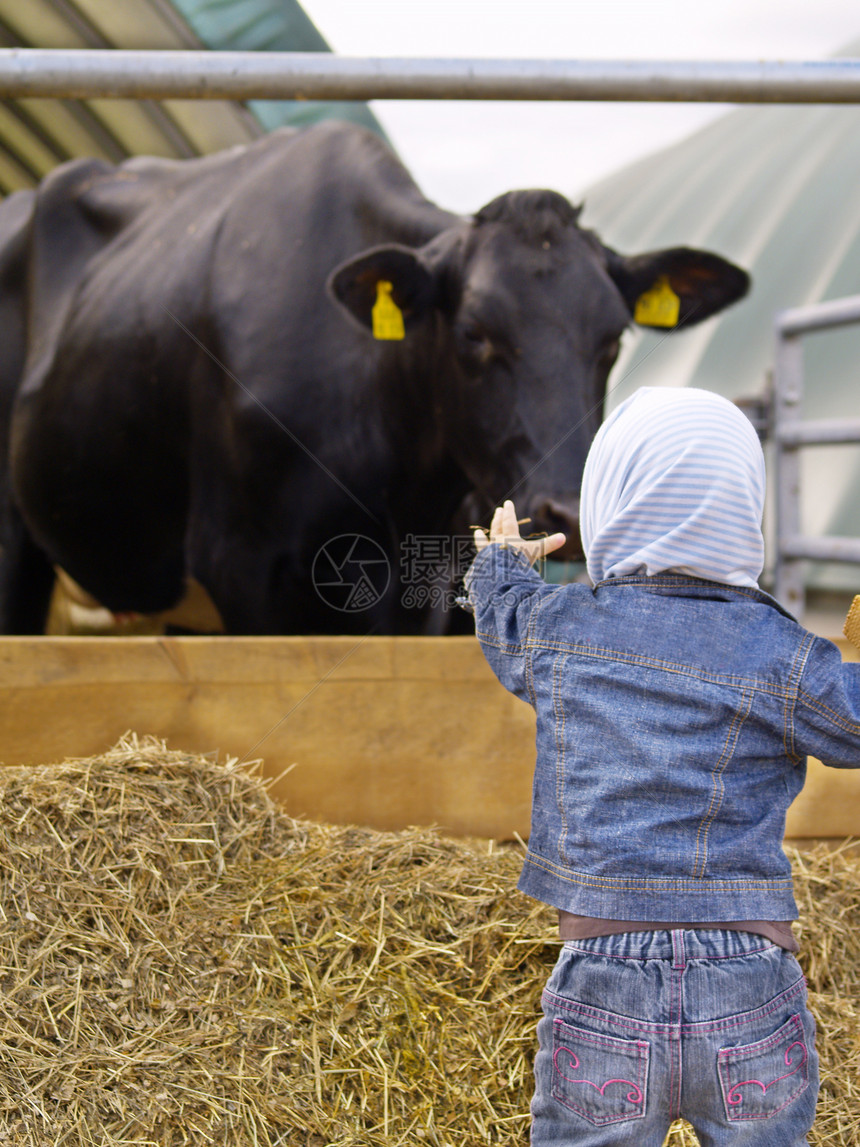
676, 287
387, 289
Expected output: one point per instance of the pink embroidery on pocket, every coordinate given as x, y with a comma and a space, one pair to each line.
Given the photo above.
734, 1098
635, 1096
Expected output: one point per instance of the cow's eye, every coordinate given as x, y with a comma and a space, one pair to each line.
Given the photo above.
474, 343
473, 335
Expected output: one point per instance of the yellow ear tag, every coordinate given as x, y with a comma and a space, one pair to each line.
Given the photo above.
387, 316
659, 306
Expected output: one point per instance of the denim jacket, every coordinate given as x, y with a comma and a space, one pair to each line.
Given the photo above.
674, 717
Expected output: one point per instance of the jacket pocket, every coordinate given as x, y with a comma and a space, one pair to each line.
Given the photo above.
602, 1078
759, 1079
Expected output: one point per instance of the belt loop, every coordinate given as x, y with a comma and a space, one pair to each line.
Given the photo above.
679, 956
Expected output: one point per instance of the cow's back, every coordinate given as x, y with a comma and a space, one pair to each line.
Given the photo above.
112, 250
162, 295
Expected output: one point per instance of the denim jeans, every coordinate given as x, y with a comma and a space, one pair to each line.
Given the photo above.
646, 1027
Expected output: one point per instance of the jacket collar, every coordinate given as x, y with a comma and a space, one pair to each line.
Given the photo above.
680, 585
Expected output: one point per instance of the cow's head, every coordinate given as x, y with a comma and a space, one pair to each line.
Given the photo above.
524, 311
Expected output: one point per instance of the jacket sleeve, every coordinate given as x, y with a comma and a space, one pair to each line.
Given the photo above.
504, 591
826, 716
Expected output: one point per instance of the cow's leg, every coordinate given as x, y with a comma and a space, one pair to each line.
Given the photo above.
26, 579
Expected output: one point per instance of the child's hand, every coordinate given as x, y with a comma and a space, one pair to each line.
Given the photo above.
505, 529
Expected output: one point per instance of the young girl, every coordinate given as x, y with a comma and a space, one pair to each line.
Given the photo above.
676, 704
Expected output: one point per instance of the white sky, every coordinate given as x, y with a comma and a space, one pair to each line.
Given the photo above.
462, 154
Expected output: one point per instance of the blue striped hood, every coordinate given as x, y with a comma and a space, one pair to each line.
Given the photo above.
675, 480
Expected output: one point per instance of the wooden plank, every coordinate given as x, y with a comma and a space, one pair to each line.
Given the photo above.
380, 731
829, 805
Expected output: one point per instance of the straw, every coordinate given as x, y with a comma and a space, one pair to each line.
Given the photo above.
184, 963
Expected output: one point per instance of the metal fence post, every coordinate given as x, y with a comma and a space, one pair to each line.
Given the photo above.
790, 434
787, 396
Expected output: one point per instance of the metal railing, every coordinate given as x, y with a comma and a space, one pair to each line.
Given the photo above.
791, 434
87, 73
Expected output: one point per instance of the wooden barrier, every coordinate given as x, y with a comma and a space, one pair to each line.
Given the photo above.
380, 731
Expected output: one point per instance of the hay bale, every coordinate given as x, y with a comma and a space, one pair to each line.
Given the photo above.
183, 963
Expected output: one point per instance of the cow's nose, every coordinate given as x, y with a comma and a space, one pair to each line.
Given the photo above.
551, 516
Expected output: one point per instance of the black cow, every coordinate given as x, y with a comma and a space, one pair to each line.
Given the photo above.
190, 386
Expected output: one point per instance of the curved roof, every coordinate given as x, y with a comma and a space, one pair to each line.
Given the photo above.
777, 190
37, 134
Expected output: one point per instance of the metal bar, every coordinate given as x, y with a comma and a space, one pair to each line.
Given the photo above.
85, 74
791, 433
822, 549
819, 316
788, 586
823, 432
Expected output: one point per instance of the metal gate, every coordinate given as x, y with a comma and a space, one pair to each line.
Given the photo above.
790, 435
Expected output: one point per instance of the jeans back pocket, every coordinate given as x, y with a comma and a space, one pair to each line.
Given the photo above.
759, 1079
603, 1078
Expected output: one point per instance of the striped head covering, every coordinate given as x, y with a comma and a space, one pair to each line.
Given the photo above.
674, 480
